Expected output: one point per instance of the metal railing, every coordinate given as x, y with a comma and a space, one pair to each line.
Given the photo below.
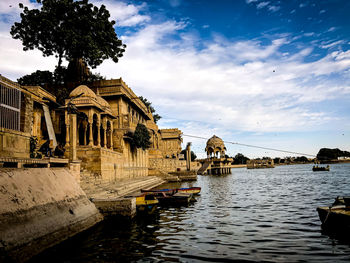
10, 107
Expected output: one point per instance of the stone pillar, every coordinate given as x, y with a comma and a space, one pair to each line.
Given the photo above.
188, 156
77, 134
91, 138
104, 125
111, 135
67, 120
73, 136
99, 132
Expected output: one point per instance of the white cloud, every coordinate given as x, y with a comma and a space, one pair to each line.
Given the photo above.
332, 44
262, 5
124, 14
274, 8
331, 29
228, 86
234, 85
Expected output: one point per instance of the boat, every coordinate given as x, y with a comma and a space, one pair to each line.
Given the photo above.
188, 190
320, 168
336, 218
172, 198
145, 202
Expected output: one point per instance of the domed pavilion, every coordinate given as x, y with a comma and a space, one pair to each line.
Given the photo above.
97, 126
217, 163
215, 147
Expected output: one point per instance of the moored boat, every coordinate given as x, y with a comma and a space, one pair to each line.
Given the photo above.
171, 198
336, 218
188, 190
146, 202
320, 168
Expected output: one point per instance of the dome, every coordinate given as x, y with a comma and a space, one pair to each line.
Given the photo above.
215, 143
103, 102
87, 92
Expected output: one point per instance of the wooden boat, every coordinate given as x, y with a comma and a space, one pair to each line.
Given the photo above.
336, 218
146, 203
188, 190
320, 168
171, 198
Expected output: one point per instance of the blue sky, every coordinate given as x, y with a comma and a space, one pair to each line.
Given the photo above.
269, 73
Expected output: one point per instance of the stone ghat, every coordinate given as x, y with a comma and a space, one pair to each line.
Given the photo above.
40, 207
109, 197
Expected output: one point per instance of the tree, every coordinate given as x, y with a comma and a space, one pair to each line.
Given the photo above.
193, 155
301, 159
277, 160
141, 137
69, 30
37, 78
240, 159
148, 104
331, 154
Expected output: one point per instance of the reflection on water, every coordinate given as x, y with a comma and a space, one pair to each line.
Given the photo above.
250, 215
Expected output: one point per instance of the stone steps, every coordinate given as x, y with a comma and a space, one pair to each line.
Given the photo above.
107, 190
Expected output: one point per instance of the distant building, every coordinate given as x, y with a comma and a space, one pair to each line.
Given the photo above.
257, 163
216, 162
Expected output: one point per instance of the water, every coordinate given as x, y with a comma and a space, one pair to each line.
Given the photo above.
250, 215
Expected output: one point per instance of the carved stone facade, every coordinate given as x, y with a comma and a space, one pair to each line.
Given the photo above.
93, 127
109, 110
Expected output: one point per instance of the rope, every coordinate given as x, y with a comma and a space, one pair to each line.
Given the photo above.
253, 146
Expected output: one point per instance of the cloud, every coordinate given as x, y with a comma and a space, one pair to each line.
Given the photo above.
233, 85
331, 29
227, 87
332, 44
125, 15
262, 5
274, 8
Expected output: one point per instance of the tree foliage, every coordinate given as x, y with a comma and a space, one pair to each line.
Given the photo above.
69, 30
240, 159
156, 117
37, 78
193, 155
54, 81
141, 137
331, 154
301, 159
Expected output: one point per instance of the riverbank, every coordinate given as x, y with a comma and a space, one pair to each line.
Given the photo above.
235, 219
40, 207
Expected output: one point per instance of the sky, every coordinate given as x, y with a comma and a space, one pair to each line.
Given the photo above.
274, 74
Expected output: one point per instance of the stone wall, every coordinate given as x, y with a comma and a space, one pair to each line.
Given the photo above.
102, 164
40, 207
135, 163
167, 165
14, 143
108, 166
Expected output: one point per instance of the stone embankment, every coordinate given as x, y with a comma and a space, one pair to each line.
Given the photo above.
40, 207
109, 196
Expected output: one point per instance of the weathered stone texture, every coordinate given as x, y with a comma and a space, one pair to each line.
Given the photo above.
167, 165
40, 207
14, 144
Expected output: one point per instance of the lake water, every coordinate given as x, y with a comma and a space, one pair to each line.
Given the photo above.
262, 215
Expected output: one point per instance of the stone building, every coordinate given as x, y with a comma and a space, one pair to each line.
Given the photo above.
260, 163
93, 128
108, 112
216, 163
23, 114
